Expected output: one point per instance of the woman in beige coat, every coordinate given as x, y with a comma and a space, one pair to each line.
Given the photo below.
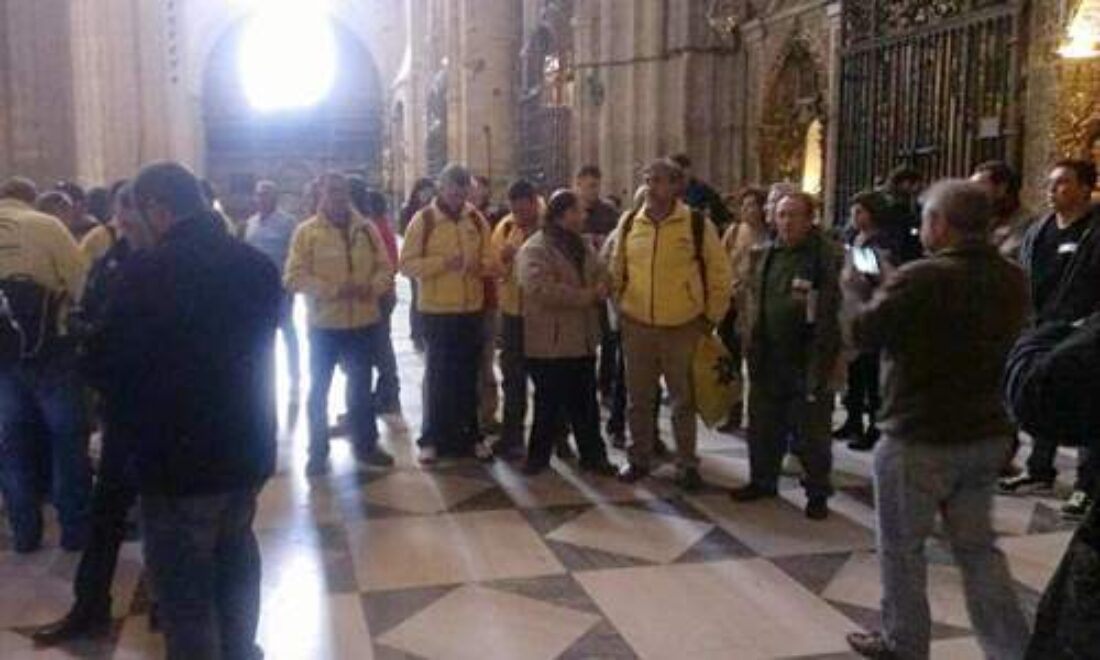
563, 282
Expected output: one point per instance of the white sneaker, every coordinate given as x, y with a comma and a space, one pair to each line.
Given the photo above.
792, 466
1077, 505
482, 451
428, 455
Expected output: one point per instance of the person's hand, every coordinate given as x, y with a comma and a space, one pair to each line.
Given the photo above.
456, 263
364, 292
508, 253
855, 284
346, 291
602, 291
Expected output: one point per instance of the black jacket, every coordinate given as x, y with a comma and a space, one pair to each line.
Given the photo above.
1052, 381
1078, 292
700, 196
1053, 386
187, 352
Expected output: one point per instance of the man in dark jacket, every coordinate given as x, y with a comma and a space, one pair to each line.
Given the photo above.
793, 351
1062, 256
1052, 385
945, 325
114, 493
188, 348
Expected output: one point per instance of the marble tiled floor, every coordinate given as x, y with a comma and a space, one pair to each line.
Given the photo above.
473, 561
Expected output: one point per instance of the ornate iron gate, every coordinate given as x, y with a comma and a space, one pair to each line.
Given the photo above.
932, 84
545, 111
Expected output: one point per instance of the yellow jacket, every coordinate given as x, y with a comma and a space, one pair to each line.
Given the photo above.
509, 232
432, 239
39, 247
324, 258
656, 277
97, 242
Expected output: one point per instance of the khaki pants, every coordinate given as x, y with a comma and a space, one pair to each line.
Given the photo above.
651, 353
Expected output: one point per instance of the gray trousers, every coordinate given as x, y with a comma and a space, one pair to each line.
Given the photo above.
914, 482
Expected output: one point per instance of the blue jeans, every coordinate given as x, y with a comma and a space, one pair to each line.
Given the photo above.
355, 351
44, 444
204, 562
387, 388
914, 482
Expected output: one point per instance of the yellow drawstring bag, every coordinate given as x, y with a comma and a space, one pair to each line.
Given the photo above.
715, 377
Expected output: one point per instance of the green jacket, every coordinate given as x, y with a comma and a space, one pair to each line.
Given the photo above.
793, 324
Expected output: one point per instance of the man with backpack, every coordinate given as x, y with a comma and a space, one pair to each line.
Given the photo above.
42, 413
447, 251
671, 281
508, 237
338, 262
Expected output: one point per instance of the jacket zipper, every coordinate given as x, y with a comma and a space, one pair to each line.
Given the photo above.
347, 234
653, 275
462, 252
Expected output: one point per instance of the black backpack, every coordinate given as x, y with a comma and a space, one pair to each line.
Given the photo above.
698, 229
28, 320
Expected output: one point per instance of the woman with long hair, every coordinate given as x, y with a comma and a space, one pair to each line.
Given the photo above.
563, 282
420, 196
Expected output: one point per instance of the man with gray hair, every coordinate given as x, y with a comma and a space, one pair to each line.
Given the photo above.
269, 230
945, 325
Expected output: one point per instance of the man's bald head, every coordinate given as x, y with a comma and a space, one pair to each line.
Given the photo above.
20, 188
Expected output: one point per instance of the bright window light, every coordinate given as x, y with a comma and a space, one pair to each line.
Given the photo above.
287, 55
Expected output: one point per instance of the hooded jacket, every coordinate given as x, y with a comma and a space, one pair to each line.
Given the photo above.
657, 279
432, 239
325, 257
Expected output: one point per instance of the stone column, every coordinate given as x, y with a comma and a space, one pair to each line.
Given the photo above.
750, 92
39, 95
832, 139
483, 85
5, 110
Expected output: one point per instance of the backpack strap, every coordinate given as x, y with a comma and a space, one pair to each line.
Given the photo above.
698, 235
429, 227
624, 232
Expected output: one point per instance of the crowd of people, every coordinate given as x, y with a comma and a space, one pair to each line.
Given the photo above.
142, 311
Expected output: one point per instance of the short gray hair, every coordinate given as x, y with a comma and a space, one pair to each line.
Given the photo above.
964, 205
266, 184
665, 167
455, 175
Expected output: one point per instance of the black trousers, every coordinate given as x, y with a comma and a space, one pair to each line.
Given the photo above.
513, 370
565, 388
616, 421
610, 355
450, 382
863, 397
1040, 464
113, 496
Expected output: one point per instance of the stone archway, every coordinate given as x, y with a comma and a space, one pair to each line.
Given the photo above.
792, 131
343, 132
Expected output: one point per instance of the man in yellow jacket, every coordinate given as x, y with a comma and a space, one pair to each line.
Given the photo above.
39, 259
447, 251
338, 262
508, 237
671, 280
